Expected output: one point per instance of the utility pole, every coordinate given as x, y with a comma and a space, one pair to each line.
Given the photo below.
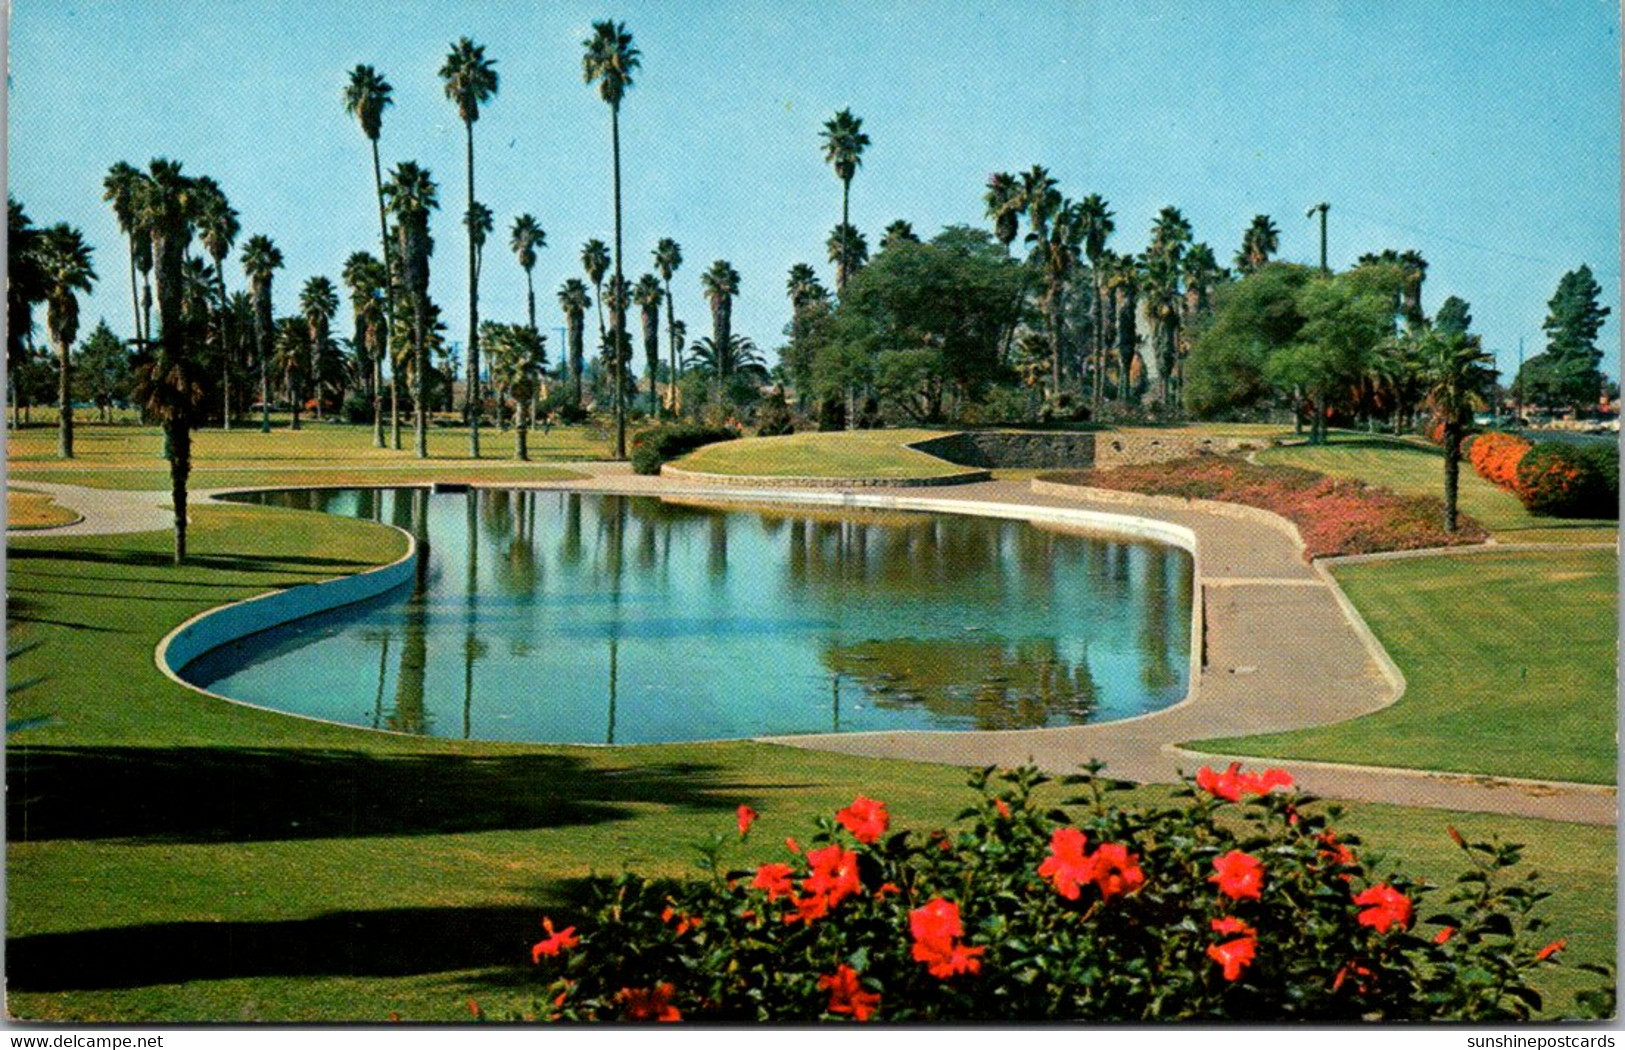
1322, 207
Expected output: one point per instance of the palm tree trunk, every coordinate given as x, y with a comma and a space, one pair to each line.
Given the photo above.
843, 264
1452, 465
471, 397
521, 448
135, 297
671, 334
389, 310
377, 393
225, 347
64, 399
420, 358
179, 433
1054, 318
394, 407
618, 315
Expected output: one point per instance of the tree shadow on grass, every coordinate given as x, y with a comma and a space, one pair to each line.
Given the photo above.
279, 563
224, 794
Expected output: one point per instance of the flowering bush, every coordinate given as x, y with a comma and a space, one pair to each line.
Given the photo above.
1563, 481
1495, 457
1333, 515
1239, 903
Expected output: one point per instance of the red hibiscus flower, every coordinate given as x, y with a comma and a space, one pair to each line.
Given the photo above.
1269, 780
1385, 908
1233, 783
1231, 924
1067, 866
1444, 935
937, 929
1238, 875
1235, 956
846, 994
747, 817
1552, 949
865, 818
1356, 971
650, 1004
1334, 851
834, 873
775, 879
1003, 807
1117, 871
557, 941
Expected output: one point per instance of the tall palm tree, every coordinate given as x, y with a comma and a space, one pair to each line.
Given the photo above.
1095, 219
1202, 274
291, 360
365, 98
617, 353
480, 223
1039, 200
1257, 245
848, 251
573, 300
898, 232
218, 227
721, 284
803, 288
1058, 249
648, 293
844, 143
471, 79
169, 379
668, 255
118, 189
1455, 370
527, 236
261, 259
1122, 284
318, 301
64, 263
412, 195
24, 290
609, 62
518, 356
1415, 268
1164, 268
1003, 199
595, 261
364, 275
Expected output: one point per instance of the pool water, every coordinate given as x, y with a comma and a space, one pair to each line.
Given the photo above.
583, 618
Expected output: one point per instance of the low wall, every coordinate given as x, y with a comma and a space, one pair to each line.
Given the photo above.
1117, 497
217, 627
1014, 449
763, 481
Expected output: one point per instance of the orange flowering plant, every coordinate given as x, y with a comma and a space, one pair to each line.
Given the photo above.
1239, 902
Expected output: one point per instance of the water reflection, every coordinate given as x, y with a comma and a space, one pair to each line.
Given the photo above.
583, 618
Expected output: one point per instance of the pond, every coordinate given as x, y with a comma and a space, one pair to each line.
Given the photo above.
568, 617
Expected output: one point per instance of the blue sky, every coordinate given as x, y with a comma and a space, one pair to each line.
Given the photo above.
1486, 135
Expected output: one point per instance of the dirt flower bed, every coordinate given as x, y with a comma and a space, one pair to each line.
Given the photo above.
1334, 515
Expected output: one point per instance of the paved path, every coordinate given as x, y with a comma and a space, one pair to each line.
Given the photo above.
1284, 649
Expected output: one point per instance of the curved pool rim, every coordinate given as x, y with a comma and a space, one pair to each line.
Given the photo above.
233, 621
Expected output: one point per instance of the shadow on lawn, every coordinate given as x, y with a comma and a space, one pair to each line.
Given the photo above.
279, 563
220, 794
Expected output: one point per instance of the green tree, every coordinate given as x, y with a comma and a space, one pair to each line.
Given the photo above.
1252, 320
1257, 245
102, 374
844, 143
519, 353
119, 189
525, 238
318, 302
648, 293
65, 270
1095, 222
610, 61
848, 251
595, 260
217, 228
721, 284
573, 300
480, 223
1345, 320
291, 361
1003, 199
261, 259
368, 282
1455, 372
366, 97
1567, 372
668, 256
412, 195
25, 289
899, 232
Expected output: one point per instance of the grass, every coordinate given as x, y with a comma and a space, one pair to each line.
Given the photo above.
35, 510
838, 454
1414, 469
1510, 661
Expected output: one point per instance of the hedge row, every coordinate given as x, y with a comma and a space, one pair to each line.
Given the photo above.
1551, 478
653, 447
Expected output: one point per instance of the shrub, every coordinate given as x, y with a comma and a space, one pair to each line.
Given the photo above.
773, 417
1237, 904
656, 445
1604, 459
1561, 481
1495, 457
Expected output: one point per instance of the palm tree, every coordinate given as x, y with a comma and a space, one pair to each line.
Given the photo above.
217, 229
1202, 274
1164, 267
721, 284
1058, 248
118, 189
617, 353
721, 359
1455, 370
595, 261
480, 223
1257, 245
366, 97
848, 251
169, 380
261, 259
648, 294
899, 232
24, 290
317, 304
1122, 284
364, 275
1415, 268
471, 79
668, 256
412, 194
1039, 200
573, 300
844, 143
803, 288
527, 236
609, 61
291, 360
1003, 199
1095, 220
64, 264
519, 355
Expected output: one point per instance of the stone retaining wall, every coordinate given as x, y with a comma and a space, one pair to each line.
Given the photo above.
762, 481
1040, 450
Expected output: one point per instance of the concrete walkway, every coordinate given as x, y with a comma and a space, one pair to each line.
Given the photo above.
1284, 649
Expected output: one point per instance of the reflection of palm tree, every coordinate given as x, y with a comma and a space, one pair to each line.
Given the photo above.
409, 715
1156, 670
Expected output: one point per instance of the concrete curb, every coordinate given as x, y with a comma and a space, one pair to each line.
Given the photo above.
768, 481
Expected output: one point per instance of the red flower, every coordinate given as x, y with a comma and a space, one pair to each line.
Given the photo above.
1117, 871
747, 817
937, 929
1444, 935
1552, 949
792, 845
650, 1004
1235, 956
865, 818
1233, 783
834, 873
1067, 866
474, 1009
1231, 924
775, 879
557, 941
1385, 908
1271, 779
1356, 971
887, 887
1003, 807
1238, 875
846, 995
1335, 851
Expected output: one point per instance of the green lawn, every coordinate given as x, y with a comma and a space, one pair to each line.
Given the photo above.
35, 510
1510, 663
1417, 469
837, 454
177, 858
